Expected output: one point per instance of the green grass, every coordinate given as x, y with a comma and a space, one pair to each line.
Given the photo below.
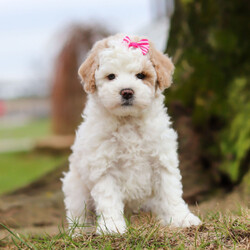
33, 129
19, 169
218, 231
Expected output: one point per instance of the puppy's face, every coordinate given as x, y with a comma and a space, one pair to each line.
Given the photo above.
124, 80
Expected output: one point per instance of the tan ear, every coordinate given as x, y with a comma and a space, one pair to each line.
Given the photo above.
163, 66
89, 66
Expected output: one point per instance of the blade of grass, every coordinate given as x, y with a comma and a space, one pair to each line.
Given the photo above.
26, 244
13, 240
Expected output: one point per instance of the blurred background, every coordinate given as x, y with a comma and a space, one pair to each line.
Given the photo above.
41, 98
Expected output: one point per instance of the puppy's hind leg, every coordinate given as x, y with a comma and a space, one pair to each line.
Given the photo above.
168, 203
77, 201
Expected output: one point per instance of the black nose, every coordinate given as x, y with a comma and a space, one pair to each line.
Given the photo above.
127, 93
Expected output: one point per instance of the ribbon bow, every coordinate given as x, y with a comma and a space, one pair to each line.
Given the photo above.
143, 44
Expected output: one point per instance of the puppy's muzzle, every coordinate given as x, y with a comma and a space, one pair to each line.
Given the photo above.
127, 96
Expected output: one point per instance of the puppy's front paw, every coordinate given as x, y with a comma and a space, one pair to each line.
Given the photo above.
190, 220
183, 221
111, 226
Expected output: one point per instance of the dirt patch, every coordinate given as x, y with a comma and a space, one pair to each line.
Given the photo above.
37, 206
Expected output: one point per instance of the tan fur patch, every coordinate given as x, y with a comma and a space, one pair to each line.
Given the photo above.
89, 66
163, 66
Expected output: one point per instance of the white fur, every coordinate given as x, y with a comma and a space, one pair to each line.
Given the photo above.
124, 155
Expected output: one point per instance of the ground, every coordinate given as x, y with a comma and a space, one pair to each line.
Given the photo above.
38, 210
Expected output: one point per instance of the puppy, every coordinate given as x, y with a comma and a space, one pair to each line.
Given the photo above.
125, 151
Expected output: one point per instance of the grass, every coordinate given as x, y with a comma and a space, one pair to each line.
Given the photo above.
20, 168
33, 129
218, 231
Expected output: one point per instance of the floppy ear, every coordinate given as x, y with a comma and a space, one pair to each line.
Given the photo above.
163, 66
89, 66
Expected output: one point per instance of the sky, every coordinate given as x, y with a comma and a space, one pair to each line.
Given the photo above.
28, 28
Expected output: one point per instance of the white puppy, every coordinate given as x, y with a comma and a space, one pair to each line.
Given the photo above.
125, 151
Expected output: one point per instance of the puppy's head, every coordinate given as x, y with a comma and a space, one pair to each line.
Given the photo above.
122, 77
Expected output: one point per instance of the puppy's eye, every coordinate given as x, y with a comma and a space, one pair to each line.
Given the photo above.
111, 77
140, 76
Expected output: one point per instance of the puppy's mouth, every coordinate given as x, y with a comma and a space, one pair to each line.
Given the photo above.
126, 103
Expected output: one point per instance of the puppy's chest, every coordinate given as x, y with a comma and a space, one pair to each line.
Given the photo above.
130, 143
132, 168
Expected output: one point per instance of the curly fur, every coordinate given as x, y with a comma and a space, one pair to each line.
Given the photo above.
125, 155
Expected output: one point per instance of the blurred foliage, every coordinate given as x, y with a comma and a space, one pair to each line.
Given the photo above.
210, 48
235, 138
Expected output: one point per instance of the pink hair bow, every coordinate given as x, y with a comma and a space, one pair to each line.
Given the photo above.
143, 44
